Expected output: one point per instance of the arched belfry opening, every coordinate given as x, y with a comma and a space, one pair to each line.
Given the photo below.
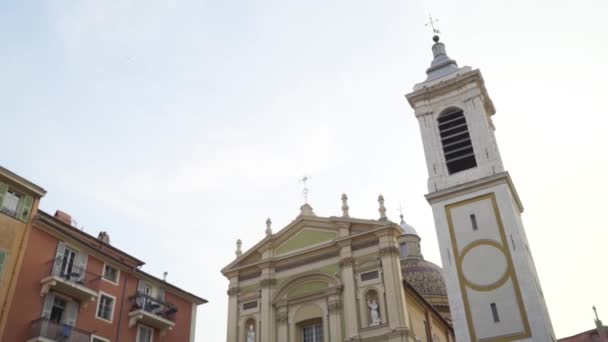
456, 141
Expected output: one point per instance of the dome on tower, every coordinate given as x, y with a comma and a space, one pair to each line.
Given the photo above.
407, 228
424, 276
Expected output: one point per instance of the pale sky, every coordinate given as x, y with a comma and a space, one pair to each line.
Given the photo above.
179, 126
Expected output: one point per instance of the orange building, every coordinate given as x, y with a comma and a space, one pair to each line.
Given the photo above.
74, 287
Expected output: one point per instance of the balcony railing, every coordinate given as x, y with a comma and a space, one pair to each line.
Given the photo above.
66, 277
9, 212
155, 306
44, 328
152, 312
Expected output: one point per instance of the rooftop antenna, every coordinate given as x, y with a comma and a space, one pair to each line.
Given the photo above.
304, 181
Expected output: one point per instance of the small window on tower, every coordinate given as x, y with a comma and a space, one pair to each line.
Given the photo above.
474, 221
456, 141
494, 312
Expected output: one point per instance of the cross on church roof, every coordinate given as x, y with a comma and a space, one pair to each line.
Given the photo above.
304, 181
431, 23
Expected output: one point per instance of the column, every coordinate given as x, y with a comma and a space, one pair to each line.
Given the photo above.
233, 310
266, 312
393, 280
335, 324
349, 303
283, 328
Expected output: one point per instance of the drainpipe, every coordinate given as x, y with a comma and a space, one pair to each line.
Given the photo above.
122, 305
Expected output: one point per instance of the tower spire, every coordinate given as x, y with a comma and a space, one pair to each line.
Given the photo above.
441, 65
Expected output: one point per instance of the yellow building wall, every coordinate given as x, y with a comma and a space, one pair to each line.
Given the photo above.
417, 316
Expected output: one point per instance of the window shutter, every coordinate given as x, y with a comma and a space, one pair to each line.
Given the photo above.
48, 305
57, 261
141, 289
26, 208
71, 311
3, 190
81, 263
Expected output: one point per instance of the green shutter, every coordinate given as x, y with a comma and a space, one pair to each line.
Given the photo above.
26, 208
3, 190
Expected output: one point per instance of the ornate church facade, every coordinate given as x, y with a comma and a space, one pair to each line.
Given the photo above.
340, 278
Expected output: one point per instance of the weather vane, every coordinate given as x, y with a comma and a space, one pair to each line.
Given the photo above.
304, 181
431, 23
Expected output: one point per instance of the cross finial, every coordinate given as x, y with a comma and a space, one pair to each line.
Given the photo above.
304, 181
401, 213
431, 23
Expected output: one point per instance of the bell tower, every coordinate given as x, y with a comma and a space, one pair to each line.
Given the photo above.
493, 289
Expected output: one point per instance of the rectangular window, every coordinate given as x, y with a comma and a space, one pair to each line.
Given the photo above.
250, 305
369, 275
474, 221
110, 274
145, 334
11, 202
312, 333
105, 307
494, 312
58, 310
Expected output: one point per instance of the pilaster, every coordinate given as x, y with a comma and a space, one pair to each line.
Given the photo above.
266, 312
349, 294
233, 307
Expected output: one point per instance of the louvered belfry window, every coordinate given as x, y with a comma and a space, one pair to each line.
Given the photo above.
456, 141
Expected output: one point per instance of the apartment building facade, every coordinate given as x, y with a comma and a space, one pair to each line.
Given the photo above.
74, 287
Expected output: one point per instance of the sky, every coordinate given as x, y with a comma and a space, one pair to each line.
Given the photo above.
180, 126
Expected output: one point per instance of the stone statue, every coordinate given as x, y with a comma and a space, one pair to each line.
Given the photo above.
374, 314
250, 334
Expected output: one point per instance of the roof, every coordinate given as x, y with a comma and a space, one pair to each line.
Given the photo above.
586, 336
39, 191
111, 252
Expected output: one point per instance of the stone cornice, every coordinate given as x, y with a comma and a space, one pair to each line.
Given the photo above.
478, 184
448, 84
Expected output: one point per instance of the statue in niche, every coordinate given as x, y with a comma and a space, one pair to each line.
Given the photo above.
250, 334
374, 312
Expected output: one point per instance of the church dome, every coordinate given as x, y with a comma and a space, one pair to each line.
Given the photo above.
407, 228
424, 276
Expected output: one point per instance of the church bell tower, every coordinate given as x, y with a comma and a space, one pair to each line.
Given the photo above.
493, 288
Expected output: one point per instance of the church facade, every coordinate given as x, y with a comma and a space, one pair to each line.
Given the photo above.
339, 278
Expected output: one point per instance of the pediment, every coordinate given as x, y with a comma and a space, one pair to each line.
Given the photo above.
306, 236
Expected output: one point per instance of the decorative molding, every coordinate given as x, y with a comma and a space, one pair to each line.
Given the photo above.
364, 244
233, 291
282, 316
249, 276
334, 305
268, 282
346, 262
307, 261
390, 250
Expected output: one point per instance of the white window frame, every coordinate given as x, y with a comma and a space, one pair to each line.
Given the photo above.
139, 326
99, 338
101, 293
108, 280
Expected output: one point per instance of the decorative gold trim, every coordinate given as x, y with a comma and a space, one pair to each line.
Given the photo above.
503, 279
511, 269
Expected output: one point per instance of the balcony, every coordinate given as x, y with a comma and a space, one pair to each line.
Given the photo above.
71, 280
152, 312
44, 330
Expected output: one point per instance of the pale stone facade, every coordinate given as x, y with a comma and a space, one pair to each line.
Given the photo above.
493, 289
328, 273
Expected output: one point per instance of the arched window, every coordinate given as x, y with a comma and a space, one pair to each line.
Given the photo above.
456, 141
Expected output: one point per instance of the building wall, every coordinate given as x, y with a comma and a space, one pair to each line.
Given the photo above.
13, 235
40, 253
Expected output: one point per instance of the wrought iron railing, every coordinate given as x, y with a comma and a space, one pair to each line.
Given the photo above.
8, 212
69, 271
59, 332
142, 301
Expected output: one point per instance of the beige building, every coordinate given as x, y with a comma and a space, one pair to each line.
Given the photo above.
339, 278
